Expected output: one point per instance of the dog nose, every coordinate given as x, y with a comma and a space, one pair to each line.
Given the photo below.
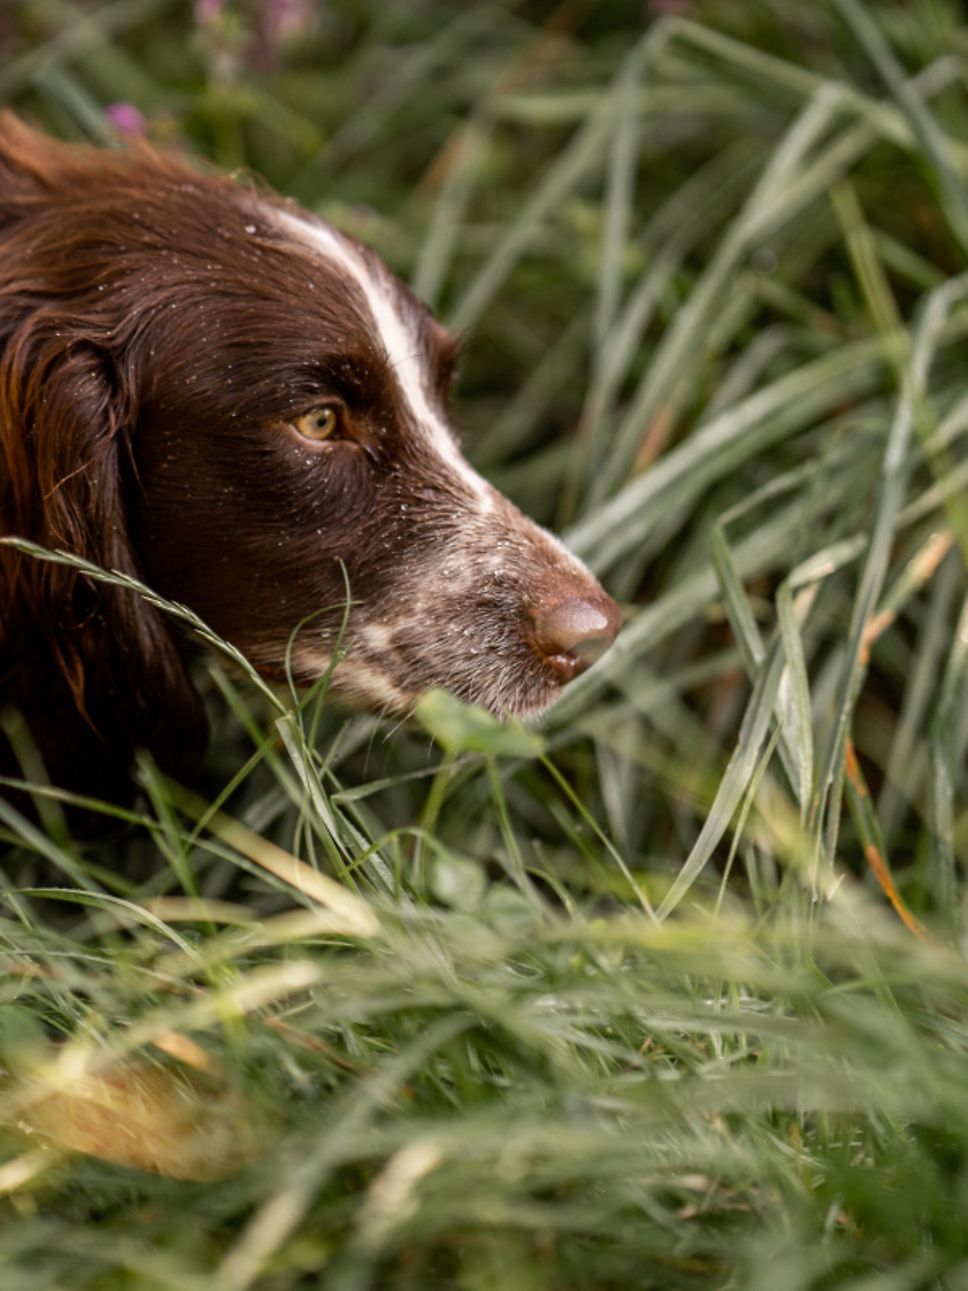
573, 633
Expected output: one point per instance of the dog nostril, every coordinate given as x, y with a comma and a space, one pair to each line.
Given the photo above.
577, 632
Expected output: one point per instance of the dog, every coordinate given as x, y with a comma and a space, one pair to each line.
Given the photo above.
206, 387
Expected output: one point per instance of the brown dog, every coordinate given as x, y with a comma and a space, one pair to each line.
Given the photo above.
206, 387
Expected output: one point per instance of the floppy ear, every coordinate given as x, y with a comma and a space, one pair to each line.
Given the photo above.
95, 669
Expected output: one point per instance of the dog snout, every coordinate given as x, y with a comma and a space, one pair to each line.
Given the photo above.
575, 631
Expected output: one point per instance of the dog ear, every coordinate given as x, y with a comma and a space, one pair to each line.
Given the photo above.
96, 669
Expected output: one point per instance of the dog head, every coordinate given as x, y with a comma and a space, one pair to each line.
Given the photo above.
207, 387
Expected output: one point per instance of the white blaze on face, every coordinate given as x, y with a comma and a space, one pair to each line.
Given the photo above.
402, 346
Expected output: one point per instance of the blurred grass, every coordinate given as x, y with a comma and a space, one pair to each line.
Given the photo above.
675, 996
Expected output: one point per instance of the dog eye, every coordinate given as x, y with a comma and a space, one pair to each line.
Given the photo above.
322, 423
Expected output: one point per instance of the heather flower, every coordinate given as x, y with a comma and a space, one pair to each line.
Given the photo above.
126, 119
285, 20
208, 12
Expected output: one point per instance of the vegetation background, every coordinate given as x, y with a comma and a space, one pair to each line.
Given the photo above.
671, 994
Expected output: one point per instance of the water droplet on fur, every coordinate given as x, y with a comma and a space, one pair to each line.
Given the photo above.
250, 228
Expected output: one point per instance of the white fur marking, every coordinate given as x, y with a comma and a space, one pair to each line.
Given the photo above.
379, 636
353, 674
401, 346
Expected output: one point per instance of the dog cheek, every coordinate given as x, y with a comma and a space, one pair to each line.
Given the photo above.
255, 552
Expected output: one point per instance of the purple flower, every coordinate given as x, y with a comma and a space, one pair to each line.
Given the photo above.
126, 119
285, 20
208, 12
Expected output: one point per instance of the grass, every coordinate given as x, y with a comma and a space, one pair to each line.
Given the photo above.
671, 993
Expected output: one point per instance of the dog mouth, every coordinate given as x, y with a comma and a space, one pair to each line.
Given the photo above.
518, 674
362, 682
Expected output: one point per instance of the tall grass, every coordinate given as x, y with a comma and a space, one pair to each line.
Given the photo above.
670, 992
